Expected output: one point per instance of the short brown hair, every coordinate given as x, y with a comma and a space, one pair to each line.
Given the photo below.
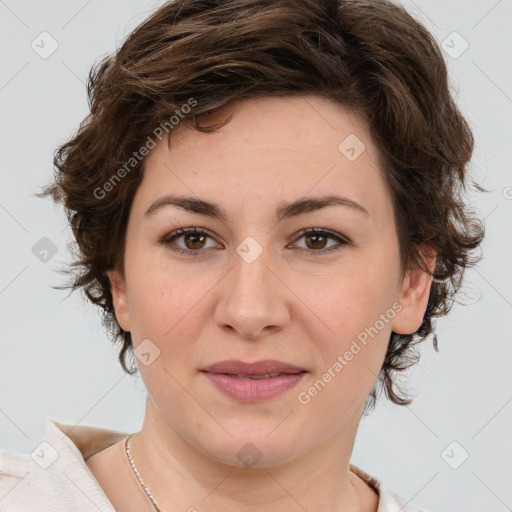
367, 55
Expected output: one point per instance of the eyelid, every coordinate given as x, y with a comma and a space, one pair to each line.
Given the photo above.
180, 232
341, 240
322, 231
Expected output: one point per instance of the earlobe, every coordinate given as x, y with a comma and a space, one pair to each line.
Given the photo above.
414, 295
119, 298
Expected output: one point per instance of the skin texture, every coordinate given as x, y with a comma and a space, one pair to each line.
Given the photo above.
304, 308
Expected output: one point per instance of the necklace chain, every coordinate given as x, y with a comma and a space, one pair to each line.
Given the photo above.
137, 474
135, 470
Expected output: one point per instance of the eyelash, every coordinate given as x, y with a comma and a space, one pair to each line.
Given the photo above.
171, 237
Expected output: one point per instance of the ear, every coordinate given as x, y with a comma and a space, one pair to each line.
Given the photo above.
118, 290
414, 294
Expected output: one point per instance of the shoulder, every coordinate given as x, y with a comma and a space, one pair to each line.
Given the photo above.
21, 481
392, 502
53, 477
389, 501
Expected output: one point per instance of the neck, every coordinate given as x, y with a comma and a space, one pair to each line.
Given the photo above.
181, 476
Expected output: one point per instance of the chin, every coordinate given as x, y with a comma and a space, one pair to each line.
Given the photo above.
254, 451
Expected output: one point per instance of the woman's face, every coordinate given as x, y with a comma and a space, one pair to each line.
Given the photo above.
257, 284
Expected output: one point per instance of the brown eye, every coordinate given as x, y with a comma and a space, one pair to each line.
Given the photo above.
194, 240
316, 241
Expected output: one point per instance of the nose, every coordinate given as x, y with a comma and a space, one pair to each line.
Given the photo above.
254, 298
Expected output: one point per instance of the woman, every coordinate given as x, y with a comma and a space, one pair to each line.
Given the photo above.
266, 200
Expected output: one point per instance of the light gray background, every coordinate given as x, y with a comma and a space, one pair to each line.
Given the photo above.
57, 363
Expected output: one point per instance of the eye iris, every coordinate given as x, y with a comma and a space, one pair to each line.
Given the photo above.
316, 237
195, 237
196, 240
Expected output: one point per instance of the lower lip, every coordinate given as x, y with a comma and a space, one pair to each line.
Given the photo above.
254, 390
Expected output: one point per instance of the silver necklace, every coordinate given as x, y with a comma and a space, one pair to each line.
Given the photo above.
135, 470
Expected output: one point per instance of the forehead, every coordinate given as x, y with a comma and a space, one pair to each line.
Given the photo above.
272, 147
300, 124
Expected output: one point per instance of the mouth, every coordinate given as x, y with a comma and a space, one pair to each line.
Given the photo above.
253, 382
257, 377
266, 368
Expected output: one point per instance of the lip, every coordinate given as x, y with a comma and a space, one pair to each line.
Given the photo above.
224, 376
236, 367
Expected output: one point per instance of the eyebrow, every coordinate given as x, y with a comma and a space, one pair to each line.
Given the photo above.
284, 211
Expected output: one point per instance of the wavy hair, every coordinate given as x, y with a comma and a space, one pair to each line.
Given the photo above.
371, 56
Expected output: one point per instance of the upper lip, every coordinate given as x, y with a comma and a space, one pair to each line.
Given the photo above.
237, 367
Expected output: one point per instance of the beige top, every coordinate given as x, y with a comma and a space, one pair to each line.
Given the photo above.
55, 477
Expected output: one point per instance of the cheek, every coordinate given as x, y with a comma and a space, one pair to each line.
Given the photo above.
360, 321
356, 312
351, 298
171, 307
163, 303
349, 360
